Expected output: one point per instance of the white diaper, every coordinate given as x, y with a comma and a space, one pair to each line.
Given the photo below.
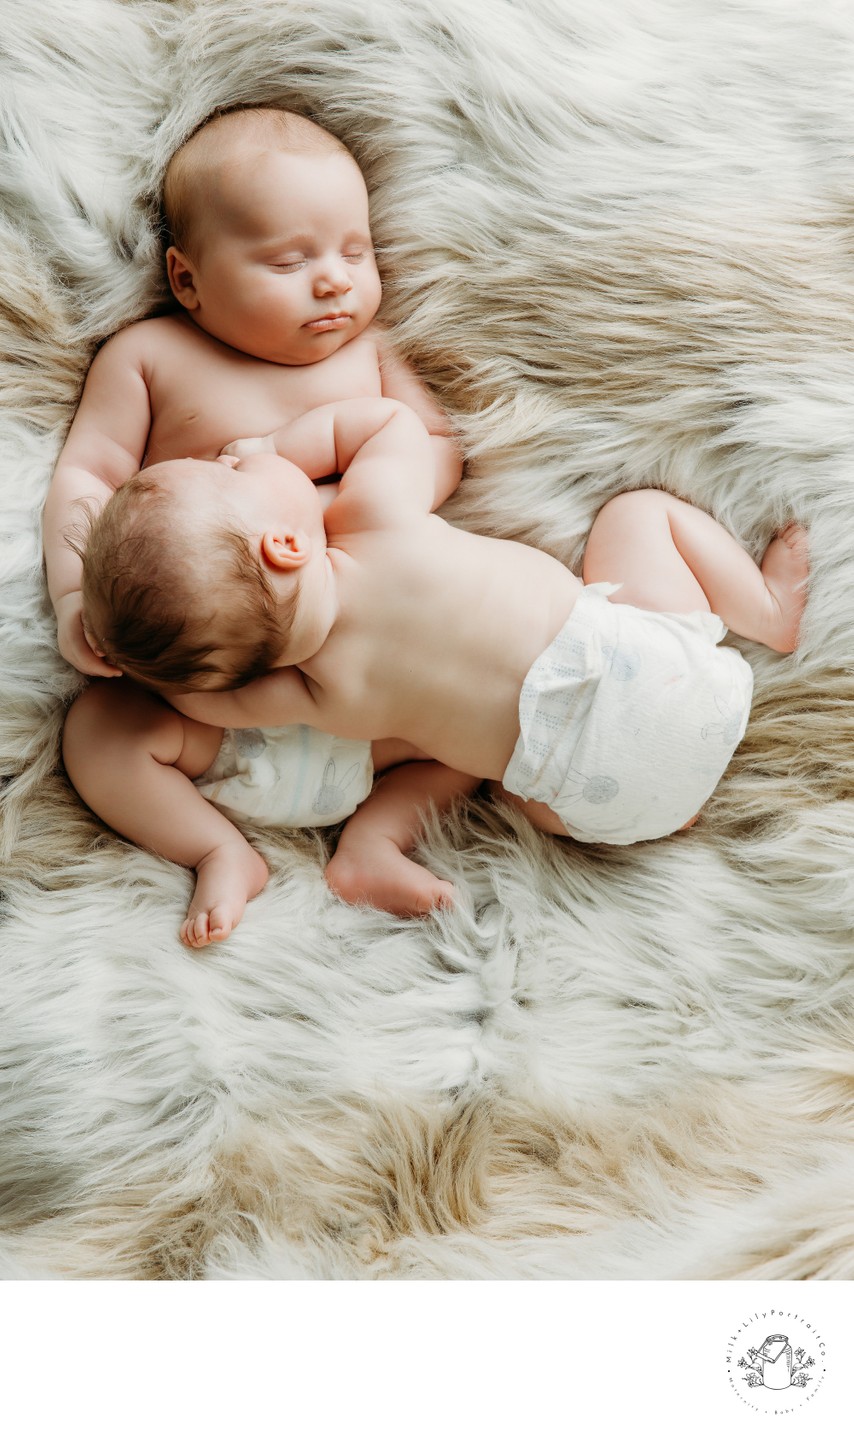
293, 776
629, 719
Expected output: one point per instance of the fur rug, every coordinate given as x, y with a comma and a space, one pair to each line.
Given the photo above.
618, 240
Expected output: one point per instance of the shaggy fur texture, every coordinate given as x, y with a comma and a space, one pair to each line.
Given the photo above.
619, 241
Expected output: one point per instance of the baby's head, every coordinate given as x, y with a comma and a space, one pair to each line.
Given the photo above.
271, 244
193, 571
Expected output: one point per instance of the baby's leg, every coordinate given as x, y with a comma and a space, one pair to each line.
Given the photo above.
133, 758
671, 556
371, 864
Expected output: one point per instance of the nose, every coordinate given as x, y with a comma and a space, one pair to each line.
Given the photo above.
332, 277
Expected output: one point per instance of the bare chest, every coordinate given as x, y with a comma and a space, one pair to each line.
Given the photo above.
204, 395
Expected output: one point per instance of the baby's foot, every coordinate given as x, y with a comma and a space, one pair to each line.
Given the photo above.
226, 879
785, 569
384, 877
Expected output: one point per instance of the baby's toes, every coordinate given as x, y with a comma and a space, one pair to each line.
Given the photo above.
195, 931
219, 924
795, 537
445, 895
438, 894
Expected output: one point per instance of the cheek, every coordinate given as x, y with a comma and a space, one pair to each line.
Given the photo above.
260, 291
280, 296
369, 284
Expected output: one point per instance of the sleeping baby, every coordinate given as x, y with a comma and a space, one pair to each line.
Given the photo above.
273, 269
605, 708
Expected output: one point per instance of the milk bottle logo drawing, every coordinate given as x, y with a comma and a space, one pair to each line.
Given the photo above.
776, 1361
775, 1365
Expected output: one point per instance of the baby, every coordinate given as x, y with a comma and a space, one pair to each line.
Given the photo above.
605, 709
273, 269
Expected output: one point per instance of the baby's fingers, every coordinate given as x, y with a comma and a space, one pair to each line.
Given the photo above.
240, 448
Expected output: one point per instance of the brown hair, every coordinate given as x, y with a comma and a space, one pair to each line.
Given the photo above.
191, 173
153, 620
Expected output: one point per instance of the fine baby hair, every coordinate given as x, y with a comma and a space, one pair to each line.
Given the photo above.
152, 609
192, 188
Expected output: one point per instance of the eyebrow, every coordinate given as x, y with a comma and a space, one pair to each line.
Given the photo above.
286, 242
303, 241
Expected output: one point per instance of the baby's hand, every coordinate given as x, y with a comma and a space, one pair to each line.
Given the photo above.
74, 643
240, 448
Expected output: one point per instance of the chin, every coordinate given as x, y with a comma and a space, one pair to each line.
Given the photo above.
321, 346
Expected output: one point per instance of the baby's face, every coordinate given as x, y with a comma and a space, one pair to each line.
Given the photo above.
285, 268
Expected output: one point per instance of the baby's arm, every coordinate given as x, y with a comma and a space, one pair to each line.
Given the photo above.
104, 448
382, 452
380, 448
400, 381
280, 697
385, 437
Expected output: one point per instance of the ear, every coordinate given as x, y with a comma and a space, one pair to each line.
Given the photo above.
182, 280
285, 549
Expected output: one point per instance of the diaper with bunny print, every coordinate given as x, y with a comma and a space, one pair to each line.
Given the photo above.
629, 719
293, 776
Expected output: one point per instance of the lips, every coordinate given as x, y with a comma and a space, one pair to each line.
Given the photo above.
336, 321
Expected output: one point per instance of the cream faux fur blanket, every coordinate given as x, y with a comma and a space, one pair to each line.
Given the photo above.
618, 240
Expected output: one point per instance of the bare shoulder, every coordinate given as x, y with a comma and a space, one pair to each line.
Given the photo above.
149, 336
387, 351
367, 345
125, 343
119, 361
136, 341
388, 354
400, 381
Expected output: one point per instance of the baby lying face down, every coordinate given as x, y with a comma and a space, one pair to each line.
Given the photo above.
605, 708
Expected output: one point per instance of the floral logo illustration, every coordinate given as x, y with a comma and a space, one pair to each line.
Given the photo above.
775, 1365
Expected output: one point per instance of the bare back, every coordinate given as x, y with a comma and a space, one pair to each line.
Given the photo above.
438, 629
